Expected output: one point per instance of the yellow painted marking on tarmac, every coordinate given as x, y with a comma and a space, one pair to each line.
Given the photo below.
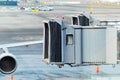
90, 9
11, 77
41, 5
33, 4
35, 11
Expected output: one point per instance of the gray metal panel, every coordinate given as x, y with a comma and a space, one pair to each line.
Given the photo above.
111, 45
118, 45
94, 45
70, 54
78, 55
68, 20
63, 40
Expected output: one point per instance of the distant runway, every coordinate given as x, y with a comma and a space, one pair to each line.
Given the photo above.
20, 26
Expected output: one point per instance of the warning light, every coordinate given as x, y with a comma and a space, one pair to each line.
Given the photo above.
63, 17
91, 12
56, 16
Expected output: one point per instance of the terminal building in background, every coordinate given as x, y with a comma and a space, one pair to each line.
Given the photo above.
8, 2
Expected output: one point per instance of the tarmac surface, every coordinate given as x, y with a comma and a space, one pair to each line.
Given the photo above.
20, 26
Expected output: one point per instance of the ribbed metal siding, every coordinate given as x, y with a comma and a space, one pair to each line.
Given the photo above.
55, 42
94, 45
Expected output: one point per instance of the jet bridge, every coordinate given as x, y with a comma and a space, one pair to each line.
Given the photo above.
79, 45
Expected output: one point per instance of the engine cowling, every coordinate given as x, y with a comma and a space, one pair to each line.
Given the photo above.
8, 63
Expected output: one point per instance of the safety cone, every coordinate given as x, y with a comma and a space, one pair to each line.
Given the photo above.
11, 77
97, 69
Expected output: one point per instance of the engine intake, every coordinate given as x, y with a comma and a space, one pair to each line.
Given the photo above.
8, 63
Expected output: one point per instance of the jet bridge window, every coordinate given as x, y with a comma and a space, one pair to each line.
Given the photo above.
75, 21
69, 39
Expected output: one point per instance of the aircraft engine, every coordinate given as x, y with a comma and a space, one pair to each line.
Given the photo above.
8, 63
